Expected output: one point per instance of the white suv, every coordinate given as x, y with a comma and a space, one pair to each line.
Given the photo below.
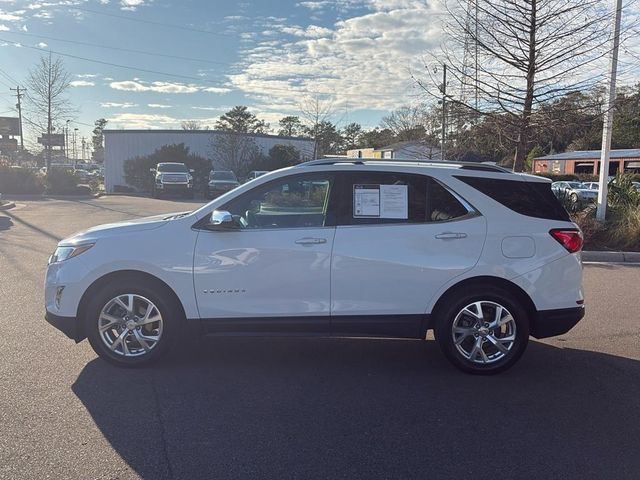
336, 247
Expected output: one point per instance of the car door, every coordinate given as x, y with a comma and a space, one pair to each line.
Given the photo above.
271, 272
400, 238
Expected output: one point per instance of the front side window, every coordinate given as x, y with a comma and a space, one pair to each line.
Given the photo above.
294, 202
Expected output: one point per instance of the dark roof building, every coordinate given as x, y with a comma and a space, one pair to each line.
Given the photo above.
588, 161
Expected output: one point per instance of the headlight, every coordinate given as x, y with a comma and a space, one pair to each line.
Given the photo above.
64, 253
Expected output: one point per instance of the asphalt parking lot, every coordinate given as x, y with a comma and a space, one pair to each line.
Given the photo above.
305, 408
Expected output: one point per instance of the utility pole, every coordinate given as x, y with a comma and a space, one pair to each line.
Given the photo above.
19, 93
66, 139
444, 110
83, 149
607, 128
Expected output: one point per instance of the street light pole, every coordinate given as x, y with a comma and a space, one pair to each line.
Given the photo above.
608, 118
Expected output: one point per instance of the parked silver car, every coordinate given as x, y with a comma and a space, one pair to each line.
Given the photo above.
575, 194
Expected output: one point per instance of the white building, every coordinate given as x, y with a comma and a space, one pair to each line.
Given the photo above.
122, 145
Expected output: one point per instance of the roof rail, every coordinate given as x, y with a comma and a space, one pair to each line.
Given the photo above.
364, 161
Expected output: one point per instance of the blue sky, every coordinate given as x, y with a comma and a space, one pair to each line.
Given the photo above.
272, 55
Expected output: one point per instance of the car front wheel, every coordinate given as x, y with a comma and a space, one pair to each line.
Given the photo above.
130, 325
484, 331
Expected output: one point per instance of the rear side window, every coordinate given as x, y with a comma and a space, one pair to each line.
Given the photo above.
533, 199
425, 200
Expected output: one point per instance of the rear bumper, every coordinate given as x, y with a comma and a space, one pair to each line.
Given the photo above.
67, 325
549, 323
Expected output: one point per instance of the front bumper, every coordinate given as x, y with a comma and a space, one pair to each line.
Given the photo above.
550, 323
70, 326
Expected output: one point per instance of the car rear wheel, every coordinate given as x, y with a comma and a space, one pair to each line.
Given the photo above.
483, 331
130, 325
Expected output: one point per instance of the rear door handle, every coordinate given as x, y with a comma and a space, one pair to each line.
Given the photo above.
311, 241
451, 235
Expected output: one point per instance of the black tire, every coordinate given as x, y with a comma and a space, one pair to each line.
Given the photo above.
163, 299
455, 303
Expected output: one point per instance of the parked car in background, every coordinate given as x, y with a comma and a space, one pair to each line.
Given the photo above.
591, 185
172, 178
220, 182
574, 194
636, 185
335, 247
255, 174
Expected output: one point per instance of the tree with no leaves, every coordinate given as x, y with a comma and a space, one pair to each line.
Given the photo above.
48, 84
193, 125
234, 151
316, 113
509, 57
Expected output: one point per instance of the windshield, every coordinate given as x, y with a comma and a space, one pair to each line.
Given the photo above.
223, 176
172, 167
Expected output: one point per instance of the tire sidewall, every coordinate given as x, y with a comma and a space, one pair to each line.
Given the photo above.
165, 304
447, 315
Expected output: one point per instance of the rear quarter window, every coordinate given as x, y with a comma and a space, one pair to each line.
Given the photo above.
533, 199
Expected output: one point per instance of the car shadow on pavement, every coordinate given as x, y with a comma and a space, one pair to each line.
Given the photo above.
343, 408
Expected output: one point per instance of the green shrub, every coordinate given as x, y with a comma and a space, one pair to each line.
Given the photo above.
621, 230
19, 181
61, 181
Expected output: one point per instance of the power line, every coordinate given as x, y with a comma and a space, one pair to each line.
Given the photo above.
197, 79
143, 52
153, 22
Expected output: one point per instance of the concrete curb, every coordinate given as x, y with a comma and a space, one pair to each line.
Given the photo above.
27, 197
7, 206
611, 257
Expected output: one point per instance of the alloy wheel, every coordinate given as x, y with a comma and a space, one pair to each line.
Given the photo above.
484, 332
130, 325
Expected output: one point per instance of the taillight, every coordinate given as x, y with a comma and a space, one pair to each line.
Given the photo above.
570, 239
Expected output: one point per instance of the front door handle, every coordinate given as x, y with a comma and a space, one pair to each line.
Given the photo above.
311, 241
451, 235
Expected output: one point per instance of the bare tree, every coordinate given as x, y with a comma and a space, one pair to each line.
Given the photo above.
193, 125
316, 111
406, 123
509, 57
235, 151
48, 84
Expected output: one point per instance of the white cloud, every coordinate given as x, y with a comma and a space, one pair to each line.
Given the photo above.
158, 105
42, 45
137, 85
86, 75
160, 87
216, 89
4, 28
362, 62
11, 16
131, 4
312, 31
82, 83
143, 120
211, 109
118, 105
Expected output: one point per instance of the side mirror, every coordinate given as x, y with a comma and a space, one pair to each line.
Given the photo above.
152, 170
191, 170
222, 220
